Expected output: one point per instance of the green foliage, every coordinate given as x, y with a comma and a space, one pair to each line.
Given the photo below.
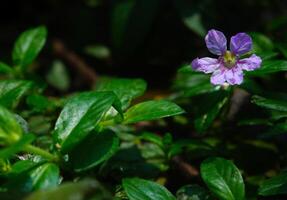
223, 178
139, 189
28, 45
274, 185
86, 110
103, 145
151, 110
58, 128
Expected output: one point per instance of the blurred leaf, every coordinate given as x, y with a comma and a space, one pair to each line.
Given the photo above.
223, 179
80, 116
261, 42
140, 189
38, 102
28, 45
274, 186
98, 51
270, 103
131, 22
17, 146
10, 130
151, 110
78, 191
58, 76
211, 107
192, 192
152, 137
5, 69
282, 48
12, 90
125, 89
192, 83
269, 66
190, 15
93, 150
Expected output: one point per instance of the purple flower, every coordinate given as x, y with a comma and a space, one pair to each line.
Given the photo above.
228, 67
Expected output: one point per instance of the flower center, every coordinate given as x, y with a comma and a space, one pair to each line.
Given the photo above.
229, 59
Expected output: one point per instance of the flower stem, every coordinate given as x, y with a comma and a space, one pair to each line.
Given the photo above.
36, 150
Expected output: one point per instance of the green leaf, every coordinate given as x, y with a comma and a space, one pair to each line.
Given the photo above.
58, 76
125, 89
223, 178
192, 192
140, 189
17, 146
96, 148
70, 190
210, 108
10, 129
28, 45
11, 91
151, 110
269, 66
44, 176
270, 103
5, 69
80, 116
131, 21
274, 186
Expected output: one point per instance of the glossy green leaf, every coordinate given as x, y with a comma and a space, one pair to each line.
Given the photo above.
210, 109
28, 45
140, 189
10, 129
270, 103
269, 66
192, 192
274, 186
44, 176
131, 21
80, 116
125, 89
151, 110
70, 190
96, 148
223, 179
11, 91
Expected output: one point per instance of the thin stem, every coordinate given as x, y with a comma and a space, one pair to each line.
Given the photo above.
36, 150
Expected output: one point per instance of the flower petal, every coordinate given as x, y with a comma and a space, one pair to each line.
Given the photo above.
240, 43
206, 64
218, 77
215, 42
250, 64
234, 76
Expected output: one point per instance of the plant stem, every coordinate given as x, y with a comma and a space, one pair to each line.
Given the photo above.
36, 150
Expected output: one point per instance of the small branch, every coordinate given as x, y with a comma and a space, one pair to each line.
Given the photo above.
75, 61
185, 167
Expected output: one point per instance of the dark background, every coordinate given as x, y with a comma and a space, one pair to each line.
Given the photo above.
153, 44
